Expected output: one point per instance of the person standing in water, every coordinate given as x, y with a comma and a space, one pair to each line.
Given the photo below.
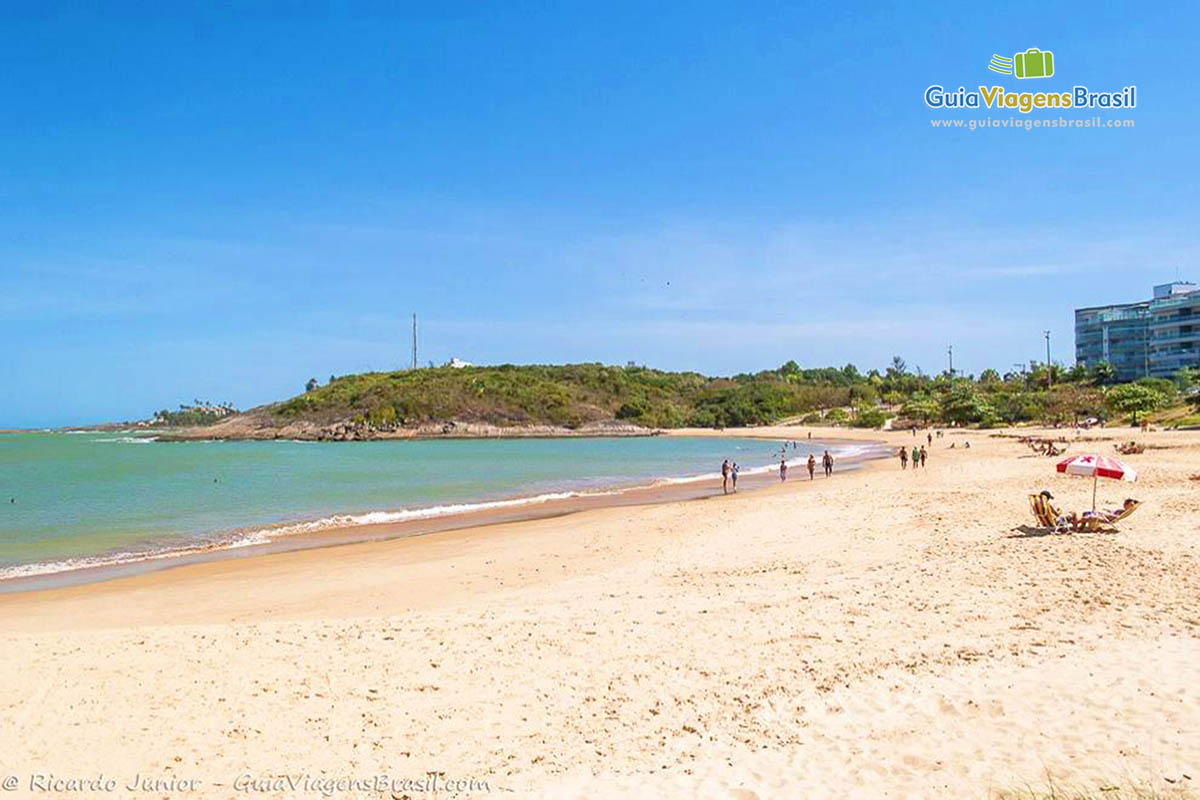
812, 466
827, 462
733, 471
725, 476
782, 470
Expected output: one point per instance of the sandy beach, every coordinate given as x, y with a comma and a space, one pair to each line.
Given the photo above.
879, 634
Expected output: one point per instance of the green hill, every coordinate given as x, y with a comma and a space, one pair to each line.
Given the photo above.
448, 400
570, 396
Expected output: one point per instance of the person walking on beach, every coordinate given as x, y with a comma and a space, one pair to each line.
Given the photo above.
812, 466
733, 471
725, 476
924, 455
782, 470
903, 458
916, 455
827, 462
929, 436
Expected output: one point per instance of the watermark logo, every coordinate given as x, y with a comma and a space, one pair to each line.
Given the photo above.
1033, 63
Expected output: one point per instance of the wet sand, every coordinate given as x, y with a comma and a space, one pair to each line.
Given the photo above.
664, 491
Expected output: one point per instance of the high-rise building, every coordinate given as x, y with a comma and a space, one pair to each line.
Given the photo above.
1147, 338
1174, 328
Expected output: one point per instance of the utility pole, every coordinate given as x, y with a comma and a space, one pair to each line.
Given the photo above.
414, 354
950, 355
1049, 372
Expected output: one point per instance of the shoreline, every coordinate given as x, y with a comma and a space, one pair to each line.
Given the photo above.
345, 529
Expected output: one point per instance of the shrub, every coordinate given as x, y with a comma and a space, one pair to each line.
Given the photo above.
874, 418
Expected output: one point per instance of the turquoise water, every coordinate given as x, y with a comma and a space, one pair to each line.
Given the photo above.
84, 499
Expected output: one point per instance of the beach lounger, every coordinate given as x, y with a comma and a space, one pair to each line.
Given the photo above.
1047, 516
1096, 522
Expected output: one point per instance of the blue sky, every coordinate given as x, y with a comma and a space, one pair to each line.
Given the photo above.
203, 204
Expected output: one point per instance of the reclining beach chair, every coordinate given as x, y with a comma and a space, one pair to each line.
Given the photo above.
1047, 516
1095, 522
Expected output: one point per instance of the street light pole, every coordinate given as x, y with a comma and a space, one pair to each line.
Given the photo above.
1049, 371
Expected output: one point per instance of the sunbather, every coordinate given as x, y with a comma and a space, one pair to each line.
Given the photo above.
1109, 516
1047, 515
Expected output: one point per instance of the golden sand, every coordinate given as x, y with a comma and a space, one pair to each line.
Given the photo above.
880, 634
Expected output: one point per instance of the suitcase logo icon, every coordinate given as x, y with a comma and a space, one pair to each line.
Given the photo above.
1033, 63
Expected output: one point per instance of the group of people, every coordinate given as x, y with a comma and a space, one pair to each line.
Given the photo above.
919, 454
730, 469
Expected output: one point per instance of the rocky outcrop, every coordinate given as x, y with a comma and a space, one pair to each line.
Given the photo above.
260, 424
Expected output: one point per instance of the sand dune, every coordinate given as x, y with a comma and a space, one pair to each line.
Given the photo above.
880, 634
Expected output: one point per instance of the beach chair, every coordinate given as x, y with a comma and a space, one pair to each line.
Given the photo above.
1098, 522
1046, 515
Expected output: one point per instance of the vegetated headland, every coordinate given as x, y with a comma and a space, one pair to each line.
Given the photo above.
601, 400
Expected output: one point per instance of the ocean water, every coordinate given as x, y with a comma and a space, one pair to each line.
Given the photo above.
94, 498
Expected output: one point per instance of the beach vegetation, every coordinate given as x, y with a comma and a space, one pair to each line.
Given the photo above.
871, 418
200, 412
574, 395
1103, 373
836, 416
1135, 400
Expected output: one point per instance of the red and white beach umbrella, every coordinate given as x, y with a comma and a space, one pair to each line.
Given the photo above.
1095, 467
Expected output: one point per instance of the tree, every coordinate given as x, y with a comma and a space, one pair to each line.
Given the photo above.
1134, 398
989, 377
789, 369
1103, 373
963, 404
922, 407
1165, 387
312, 384
863, 397
1046, 375
898, 366
1016, 404
1068, 402
1077, 374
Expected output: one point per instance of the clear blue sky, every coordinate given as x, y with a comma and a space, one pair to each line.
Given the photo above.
218, 205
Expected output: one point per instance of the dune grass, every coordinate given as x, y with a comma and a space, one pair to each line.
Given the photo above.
1104, 790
